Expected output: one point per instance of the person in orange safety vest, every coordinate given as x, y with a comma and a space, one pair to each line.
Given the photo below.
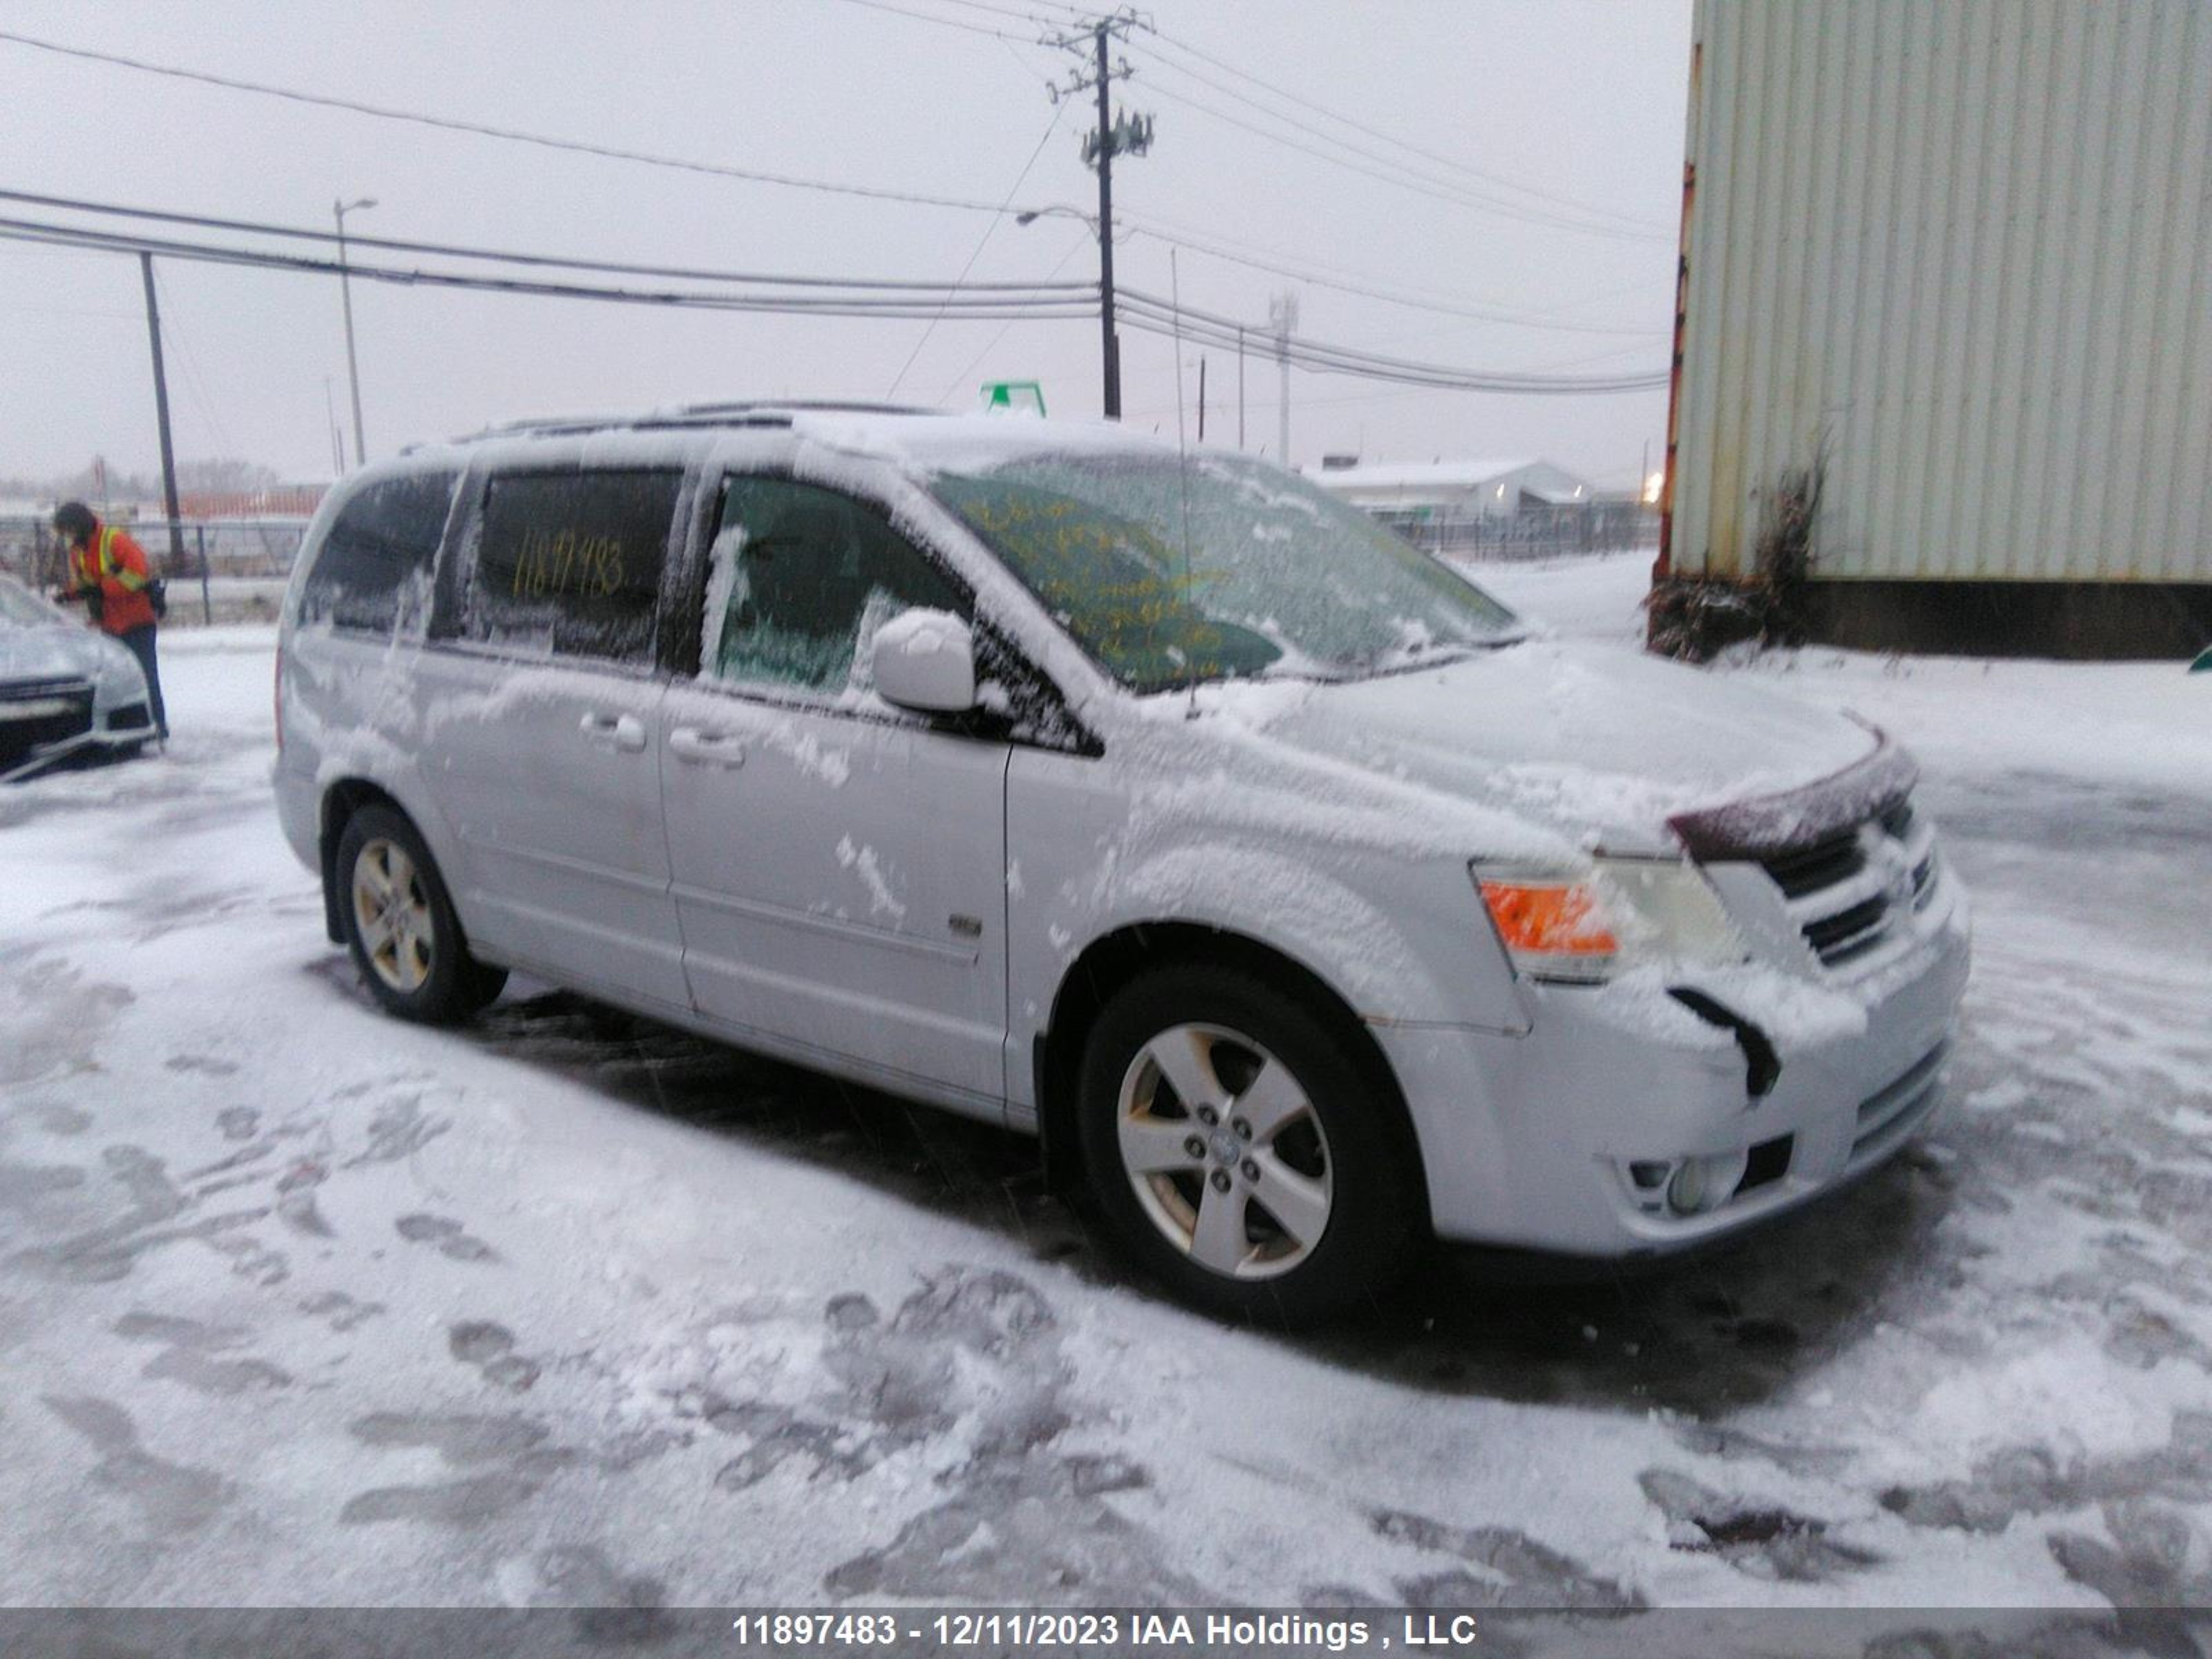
108, 570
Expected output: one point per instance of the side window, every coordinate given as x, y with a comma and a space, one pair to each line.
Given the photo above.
800, 580
568, 563
373, 571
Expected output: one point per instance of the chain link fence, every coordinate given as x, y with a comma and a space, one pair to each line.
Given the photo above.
231, 570
1532, 533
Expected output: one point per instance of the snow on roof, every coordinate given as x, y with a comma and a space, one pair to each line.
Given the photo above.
926, 438
1434, 475
1557, 495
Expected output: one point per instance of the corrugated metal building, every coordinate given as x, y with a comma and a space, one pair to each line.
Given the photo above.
1956, 257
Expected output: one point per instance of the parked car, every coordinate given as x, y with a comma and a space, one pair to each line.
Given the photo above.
1298, 896
65, 691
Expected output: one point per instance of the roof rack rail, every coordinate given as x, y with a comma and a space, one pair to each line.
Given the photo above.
759, 411
803, 406
549, 424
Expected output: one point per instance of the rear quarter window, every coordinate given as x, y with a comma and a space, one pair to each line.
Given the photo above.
372, 572
570, 563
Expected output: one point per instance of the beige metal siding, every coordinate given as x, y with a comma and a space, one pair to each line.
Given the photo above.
1961, 249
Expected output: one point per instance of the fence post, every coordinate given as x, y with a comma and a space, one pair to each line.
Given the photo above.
207, 604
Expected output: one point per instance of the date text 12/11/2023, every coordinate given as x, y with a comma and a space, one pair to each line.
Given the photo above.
1003, 1630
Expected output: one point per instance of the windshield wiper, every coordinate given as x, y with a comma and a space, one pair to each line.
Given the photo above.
1438, 658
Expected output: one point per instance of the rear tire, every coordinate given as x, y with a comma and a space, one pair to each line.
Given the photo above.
1239, 1151
399, 924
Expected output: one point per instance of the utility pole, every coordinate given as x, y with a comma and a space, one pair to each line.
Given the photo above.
1124, 135
161, 414
1283, 318
1240, 386
338, 432
338, 210
1201, 397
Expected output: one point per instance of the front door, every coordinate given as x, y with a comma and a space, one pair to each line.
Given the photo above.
838, 865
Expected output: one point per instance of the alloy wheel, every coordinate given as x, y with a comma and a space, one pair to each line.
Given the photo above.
1224, 1153
392, 910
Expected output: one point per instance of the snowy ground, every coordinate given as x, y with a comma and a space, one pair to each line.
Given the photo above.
300, 1305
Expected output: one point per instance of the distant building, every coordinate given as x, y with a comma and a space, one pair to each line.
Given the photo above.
1415, 491
1507, 508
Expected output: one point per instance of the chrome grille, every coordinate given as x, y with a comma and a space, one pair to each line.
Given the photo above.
39, 690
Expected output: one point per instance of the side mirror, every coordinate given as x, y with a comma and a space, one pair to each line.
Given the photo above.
925, 660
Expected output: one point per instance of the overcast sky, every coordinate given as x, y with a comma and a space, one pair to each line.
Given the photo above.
1578, 103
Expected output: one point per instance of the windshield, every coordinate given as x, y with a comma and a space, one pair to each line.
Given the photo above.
20, 608
1281, 577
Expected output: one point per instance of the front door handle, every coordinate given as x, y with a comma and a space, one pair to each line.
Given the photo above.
703, 748
623, 731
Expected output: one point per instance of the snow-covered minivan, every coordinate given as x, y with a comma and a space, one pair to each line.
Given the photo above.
1298, 896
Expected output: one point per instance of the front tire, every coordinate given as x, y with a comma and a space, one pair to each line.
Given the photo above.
1238, 1151
405, 941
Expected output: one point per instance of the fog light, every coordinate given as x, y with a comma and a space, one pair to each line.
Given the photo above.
1701, 1184
1685, 1193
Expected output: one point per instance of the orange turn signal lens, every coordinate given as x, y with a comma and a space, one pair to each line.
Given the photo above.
1550, 921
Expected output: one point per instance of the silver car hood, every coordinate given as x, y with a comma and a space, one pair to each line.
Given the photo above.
1599, 744
62, 652
67, 650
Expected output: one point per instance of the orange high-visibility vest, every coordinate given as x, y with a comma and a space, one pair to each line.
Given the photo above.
112, 562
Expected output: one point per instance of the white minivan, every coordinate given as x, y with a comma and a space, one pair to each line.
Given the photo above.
1301, 898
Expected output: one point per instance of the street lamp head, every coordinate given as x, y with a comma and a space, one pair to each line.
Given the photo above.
1030, 215
344, 208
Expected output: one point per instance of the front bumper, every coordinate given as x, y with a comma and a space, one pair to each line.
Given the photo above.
1564, 1138
37, 732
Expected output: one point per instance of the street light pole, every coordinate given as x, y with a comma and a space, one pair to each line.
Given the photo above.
339, 209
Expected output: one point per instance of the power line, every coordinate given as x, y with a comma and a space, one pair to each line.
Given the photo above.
1306, 103
1404, 180
1040, 13
989, 307
932, 17
505, 256
1142, 311
1304, 269
1164, 228
217, 430
1517, 320
510, 135
1141, 224
1405, 172
1050, 127
992, 345
1159, 316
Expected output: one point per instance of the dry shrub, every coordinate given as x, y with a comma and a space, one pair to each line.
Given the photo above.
1696, 618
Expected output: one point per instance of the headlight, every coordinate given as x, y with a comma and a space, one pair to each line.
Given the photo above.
1585, 926
116, 677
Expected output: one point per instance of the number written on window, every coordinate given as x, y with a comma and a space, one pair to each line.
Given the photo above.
570, 563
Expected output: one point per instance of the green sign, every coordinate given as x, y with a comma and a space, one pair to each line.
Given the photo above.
1026, 397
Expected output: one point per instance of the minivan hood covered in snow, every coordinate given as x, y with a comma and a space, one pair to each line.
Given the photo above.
1600, 745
